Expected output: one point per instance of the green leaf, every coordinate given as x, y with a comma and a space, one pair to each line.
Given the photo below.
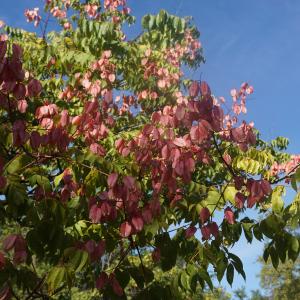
56, 277
16, 191
213, 200
79, 226
294, 244
257, 232
205, 276
58, 179
42, 181
18, 163
276, 199
274, 257
138, 277
220, 269
247, 227
266, 254
78, 260
229, 194
230, 274
238, 265
184, 280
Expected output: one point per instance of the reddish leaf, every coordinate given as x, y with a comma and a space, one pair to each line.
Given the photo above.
129, 182
3, 48
229, 215
239, 200
17, 52
205, 230
5, 293
194, 89
205, 89
34, 88
95, 213
112, 180
204, 215
19, 91
189, 232
2, 260
180, 142
3, 182
156, 255
101, 281
22, 106
9, 242
137, 223
116, 287
125, 229
19, 257
214, 229
35, 139
97, 149
180, 112
238, 135
266, 187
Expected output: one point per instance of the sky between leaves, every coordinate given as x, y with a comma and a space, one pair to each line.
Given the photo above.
256, 41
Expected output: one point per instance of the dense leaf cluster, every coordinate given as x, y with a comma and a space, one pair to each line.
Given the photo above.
108, 151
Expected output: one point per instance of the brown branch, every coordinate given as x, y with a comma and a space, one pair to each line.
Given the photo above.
286, 176
36, 288
140, 257
46, 25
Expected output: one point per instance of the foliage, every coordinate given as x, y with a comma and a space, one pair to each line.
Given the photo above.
108, 151
282, 284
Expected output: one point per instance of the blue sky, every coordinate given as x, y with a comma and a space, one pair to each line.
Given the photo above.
256, 41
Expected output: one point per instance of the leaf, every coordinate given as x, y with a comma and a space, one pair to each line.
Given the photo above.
125, 229
220, 269
79, 226
184, 280
212, 200
56, 277
276, 199
257, 232
18, 163
58, 179
138, 277
230, 274
78, 259
266, 254
247, 227
294, 244
16, 191
204, 275
92, 181
238, 265
248, 165
42, 181
229, 194
274, 257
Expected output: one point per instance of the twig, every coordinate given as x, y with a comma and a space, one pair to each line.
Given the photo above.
286, 176
221, 196
36, 287
221, 156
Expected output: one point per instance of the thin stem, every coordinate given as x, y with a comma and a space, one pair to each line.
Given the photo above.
222, 158
286, 176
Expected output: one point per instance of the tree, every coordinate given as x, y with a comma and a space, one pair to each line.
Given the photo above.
108, 152
282, 284
256, 295
240, 293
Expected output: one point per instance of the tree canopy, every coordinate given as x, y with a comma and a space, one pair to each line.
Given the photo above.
115, 165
